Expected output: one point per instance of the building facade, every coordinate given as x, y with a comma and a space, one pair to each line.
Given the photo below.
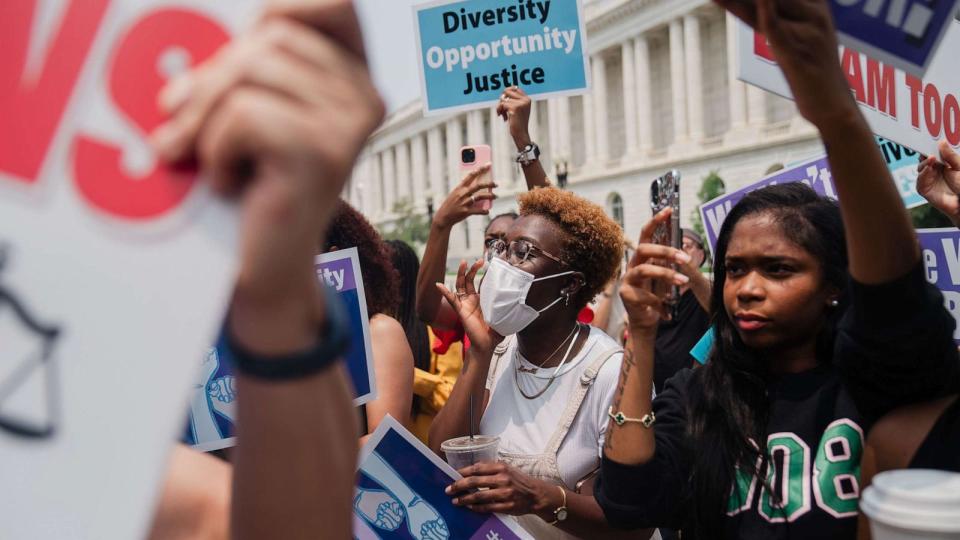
664, 96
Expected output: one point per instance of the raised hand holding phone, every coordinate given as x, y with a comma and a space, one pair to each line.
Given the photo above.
665, 193
477, 158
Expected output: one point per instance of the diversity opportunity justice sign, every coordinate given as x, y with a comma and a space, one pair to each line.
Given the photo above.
211, 419
941, 262
116, 270
471, 51
400, 494
914, 112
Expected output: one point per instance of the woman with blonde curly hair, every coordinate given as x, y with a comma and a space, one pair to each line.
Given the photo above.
536, 377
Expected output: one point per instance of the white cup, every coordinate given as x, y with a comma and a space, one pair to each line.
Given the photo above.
913, 504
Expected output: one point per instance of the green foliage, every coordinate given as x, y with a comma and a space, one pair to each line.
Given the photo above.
711, 188
928, 217
409, 226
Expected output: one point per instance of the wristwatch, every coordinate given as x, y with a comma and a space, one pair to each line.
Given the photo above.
560, 514
528, 155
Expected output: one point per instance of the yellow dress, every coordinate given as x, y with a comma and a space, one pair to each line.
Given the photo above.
434, 386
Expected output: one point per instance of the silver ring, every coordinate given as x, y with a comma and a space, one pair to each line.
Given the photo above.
473, 199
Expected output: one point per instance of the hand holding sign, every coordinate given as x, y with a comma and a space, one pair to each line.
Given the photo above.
283, 113
939, 182
802, 35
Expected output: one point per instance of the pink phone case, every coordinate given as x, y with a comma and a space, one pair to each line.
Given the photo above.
483, 156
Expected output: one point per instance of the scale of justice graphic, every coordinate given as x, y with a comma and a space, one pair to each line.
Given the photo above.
29, 391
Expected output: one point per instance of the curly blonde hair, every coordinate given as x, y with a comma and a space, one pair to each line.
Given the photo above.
593, 244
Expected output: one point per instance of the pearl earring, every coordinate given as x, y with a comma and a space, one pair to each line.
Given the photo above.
834, 303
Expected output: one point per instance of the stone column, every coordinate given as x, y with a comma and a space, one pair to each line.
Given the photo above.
404, 188
738, 90
644, 117
678, 82
389, 181
435, 166
418, 160
694, 73
601, 129
628, 63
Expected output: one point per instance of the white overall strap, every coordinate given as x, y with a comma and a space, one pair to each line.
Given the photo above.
587, 379
498, 353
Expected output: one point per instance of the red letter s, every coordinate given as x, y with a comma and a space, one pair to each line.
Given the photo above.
134, 84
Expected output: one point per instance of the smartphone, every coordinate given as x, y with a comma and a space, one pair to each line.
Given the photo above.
664, 193
473, 157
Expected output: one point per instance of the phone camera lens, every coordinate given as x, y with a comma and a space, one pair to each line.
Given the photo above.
468, 155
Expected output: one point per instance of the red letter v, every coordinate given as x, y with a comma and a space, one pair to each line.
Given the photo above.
30, 112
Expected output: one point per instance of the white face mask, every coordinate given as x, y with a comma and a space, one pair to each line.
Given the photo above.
502, 296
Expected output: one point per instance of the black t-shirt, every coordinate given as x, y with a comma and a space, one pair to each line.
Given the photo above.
894, 346
941, 448
676, 338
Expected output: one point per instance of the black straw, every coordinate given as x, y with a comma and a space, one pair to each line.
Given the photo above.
471, 417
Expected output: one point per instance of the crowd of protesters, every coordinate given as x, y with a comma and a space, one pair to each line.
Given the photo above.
825, 328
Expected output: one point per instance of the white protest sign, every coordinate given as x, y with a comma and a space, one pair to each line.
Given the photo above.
116, 270
916, 113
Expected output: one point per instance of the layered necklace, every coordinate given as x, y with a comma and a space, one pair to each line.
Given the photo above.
575, 333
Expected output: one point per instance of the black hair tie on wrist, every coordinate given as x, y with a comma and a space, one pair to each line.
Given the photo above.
333, 343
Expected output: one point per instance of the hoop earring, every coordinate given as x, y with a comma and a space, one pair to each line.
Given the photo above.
566, 301
834, 303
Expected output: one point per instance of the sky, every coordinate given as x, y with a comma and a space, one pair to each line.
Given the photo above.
389, 34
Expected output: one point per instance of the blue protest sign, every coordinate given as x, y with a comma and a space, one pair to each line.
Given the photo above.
470, 51
212, 412
941, 263
400, 494
815, 173
902, 162
902, 33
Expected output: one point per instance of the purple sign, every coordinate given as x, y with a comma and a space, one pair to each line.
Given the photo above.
941, 263
337, 274
903, 33
815, 173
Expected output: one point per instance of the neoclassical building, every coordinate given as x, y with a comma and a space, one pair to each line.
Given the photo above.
665, 96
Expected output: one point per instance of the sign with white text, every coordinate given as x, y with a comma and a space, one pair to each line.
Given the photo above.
912, 111
941, 263
470, 51
115, 270
211, 420
902, 33
815, 173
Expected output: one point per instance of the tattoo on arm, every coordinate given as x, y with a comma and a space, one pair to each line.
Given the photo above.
628, 363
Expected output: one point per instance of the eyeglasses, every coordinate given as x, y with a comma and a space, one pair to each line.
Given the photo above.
519, 250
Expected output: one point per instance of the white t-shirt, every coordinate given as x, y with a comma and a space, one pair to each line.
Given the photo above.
527, 425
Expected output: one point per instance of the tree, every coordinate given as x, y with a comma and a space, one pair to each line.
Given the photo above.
409, 226
711, 188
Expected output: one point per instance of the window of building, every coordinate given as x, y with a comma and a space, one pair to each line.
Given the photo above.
615, 207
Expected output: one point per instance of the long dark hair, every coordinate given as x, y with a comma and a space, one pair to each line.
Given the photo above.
407, 263
728, 401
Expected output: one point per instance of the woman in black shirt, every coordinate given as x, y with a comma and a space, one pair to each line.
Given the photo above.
816, 338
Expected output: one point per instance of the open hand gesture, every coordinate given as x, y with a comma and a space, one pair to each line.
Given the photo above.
466, 302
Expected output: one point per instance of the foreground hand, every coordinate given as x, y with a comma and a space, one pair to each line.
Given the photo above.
280, 113
466, 303
939, 182
804, 41
508, 491
646, 308
460, 203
